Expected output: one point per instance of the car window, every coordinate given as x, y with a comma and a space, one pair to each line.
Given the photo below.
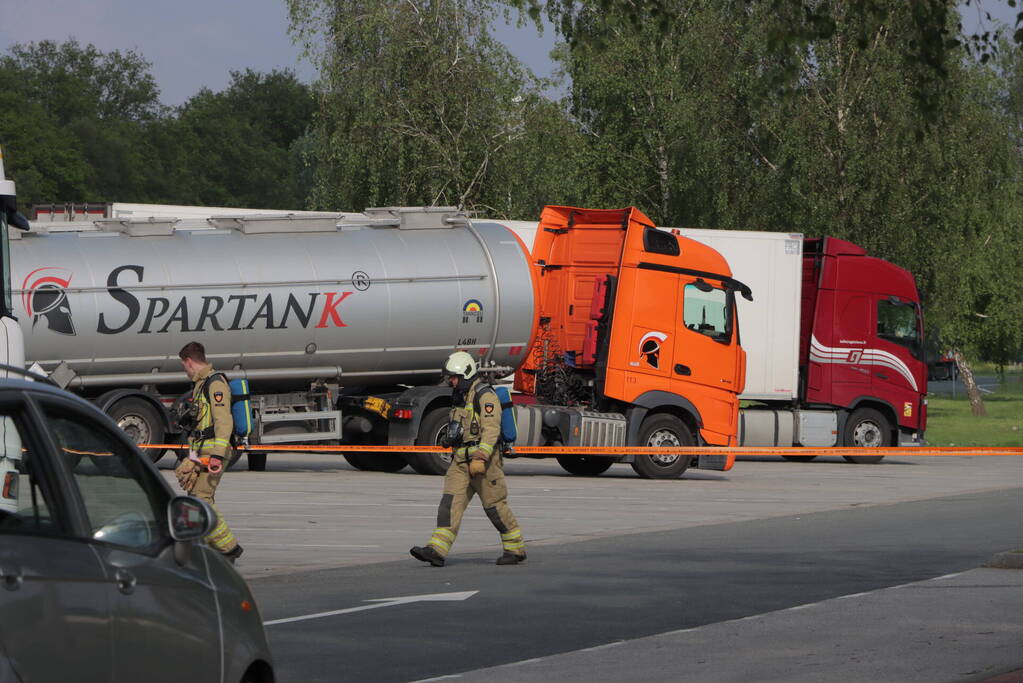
124, 504
25, 504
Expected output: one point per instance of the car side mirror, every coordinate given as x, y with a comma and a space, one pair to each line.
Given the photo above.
190, 518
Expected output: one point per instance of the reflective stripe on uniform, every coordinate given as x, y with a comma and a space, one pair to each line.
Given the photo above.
512, 541
485, 447
210, 444
442, 539
221, 538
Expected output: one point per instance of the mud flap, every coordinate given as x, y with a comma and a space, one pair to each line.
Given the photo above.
720, 460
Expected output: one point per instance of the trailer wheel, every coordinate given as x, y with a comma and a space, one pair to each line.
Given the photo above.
140, 421
663, 430
866, 428
430, 431
585, 465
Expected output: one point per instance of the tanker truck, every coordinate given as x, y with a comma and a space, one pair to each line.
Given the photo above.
341, 324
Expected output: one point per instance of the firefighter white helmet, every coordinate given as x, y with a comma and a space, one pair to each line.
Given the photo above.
461, 364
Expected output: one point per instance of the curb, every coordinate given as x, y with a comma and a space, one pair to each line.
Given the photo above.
1009, 560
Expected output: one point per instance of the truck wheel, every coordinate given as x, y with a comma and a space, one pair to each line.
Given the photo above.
663, 430
585, 465
866, 428
430, 430
377, 462
141, 423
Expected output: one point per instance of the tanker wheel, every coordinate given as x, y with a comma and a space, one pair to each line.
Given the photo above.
663, 430
799, 458
377, 462
585, 465
430, 431
866, 428
140, 421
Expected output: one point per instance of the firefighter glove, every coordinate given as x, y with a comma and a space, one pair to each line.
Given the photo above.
477, 467
187, 473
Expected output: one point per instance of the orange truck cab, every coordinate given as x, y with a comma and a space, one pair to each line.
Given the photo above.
636, 343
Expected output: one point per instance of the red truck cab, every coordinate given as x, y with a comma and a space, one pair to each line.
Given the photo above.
861, 345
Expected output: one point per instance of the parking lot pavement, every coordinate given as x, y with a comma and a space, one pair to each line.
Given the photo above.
310, 512
963, 627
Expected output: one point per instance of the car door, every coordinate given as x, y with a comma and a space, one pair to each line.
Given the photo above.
166, 623
55, 620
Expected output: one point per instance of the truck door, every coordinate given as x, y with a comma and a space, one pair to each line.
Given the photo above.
897, 350
653, 335
839, 348
704, 345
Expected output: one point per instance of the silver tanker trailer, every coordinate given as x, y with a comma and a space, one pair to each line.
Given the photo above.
334, 318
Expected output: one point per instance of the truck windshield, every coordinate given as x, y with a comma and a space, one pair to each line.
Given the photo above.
707, 312
5, 276
899, 322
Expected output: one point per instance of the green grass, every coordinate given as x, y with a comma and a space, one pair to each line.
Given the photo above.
950, 422
986, 368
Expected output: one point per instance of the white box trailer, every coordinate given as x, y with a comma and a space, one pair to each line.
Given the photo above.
771, 263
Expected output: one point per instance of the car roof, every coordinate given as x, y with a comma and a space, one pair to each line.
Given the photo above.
40, 387
20, 385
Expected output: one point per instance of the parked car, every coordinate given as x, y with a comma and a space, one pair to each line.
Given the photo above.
103, 571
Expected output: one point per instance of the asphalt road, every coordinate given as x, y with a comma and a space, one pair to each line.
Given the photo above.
571, 596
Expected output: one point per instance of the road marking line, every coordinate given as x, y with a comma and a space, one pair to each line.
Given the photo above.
602, 647
306, 545
378, 603
527, 661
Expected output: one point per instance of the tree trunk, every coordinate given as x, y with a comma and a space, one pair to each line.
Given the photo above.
976, 401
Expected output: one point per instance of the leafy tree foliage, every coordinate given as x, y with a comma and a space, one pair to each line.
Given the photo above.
420, 105
78, 124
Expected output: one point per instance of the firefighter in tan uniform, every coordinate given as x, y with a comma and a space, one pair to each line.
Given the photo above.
209, 441
474, 431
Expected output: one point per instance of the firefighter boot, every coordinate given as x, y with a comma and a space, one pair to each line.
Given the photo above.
511, 558
427, 554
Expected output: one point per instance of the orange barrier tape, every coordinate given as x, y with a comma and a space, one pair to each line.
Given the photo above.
551, 451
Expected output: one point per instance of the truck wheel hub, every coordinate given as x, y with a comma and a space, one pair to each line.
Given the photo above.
660, 439
135, 427
867, 435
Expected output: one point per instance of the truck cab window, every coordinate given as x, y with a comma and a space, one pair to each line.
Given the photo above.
707, 312
898, 322
5, 277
